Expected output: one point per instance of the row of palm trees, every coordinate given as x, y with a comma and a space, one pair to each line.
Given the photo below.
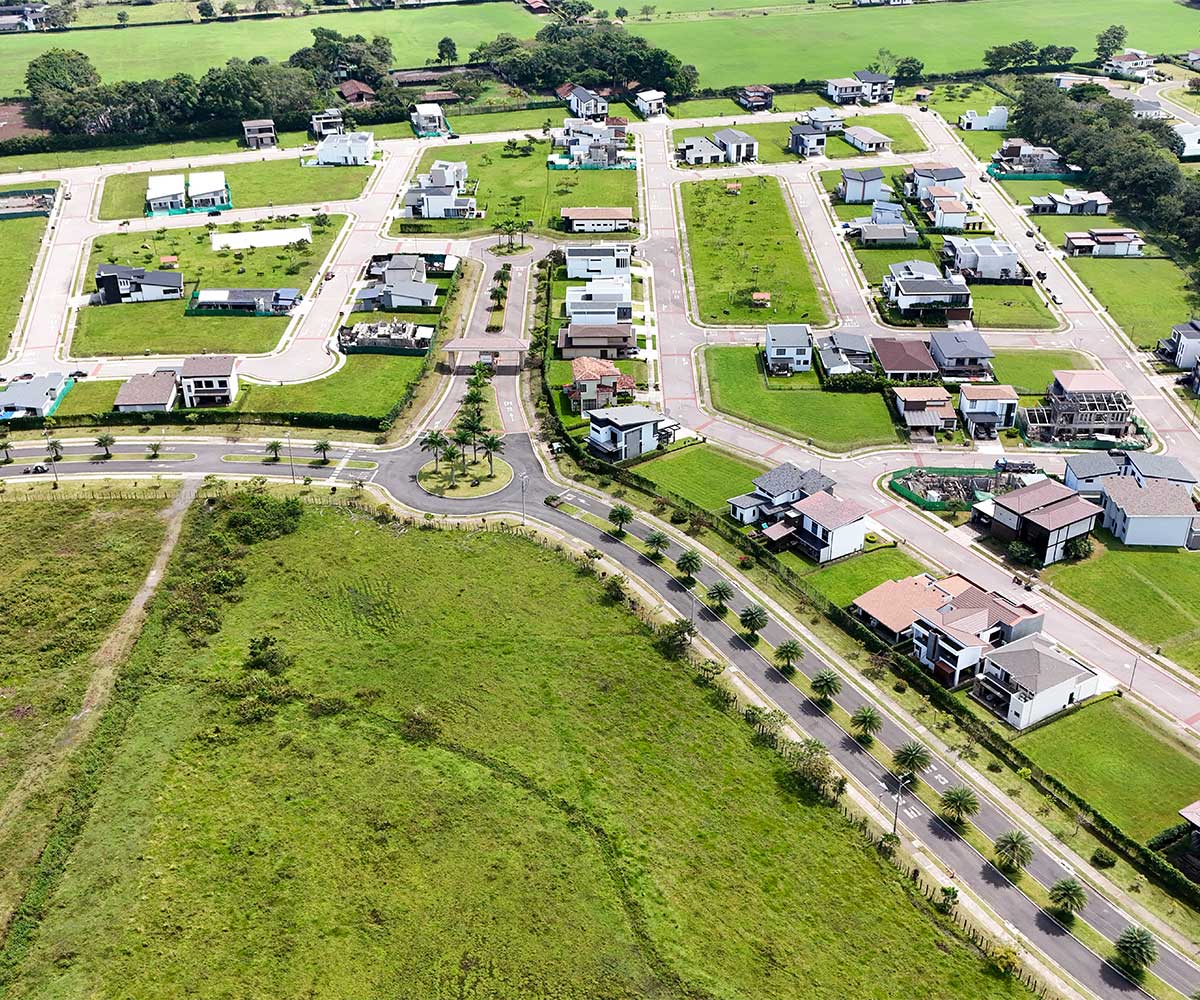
321, 447
470, 431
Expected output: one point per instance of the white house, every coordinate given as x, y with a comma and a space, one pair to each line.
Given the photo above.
601, 302
1148, 110
829, 527
737, 146
1032, 679
984, 257
996, 120
1144, 467
165, 192
806, 140
586, 103
944, 210
595, 143
650, 103
604, 260
33, 397
323, 123
1071, 202
1182, 348
584, 219
208, 380
867, 140
119, 283
1104, 243
987, 408
920, 177
1132, 64
207, 189
699, 149
1087, 472
616, 433
439, 194
788, 347
427, 119
775, 491
1190, 134
828, 120
844, 90
1155, 512
348, 149
860, 186
913, 286
877, 88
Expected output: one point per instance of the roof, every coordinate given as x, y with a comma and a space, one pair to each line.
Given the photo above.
583, 94
700, 144
147, 389
207, 366
788, 477
589, 334
31, 393
1037, 664
1091, 464
971, 612
1030, 498
829, 511
1191, 813
1159, 467
167, 279
803, 128
757, 88
903, 355
163, 186
258, 123
970, 390
938, 171
626, 416
732, 135
205, 182
1157, 498
1188, 331
870, 76
745, 501
652, 95
862, 174
961, 344
586, 369
864, 134
921, 393
353, 88
1087, 380
895, 603
789, 334
596, 214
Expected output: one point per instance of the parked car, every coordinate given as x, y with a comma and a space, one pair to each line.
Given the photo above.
24, 378
35, 469
1040, 247
1028, 232
78, 374
215, 211
452, 135
1055, 299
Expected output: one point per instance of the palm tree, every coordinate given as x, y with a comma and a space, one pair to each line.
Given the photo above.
450, 453
473, 397
55, 447
1136, 948
462, 437
5, 445
911, 758
754, 620
492, 445
106, 441
719, 595
1067, 896
958, 803
1014, 850
620, 516
689, 564
153, 448
826, 684
473, 423
786, 652
273, 448
657, 542
436, 442
866, 721
322, 448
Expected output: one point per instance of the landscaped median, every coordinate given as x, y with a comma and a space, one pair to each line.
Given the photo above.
283, 462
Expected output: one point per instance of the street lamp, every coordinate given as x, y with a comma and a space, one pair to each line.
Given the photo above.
1133, 676
53, 466
899, 797
524, 484
291, 462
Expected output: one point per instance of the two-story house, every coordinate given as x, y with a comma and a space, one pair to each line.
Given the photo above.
585, 103
775, 491
208, 380
915, 287
596, 383
919, 178
736, 145
259, 133
985, 257
1084, 403
119, 283
925, 408
616, 433
1182, 348
1045, 516
347, 149
601, 260
788, 348
601, 302
860, 186
961, 353
995, 120
1031, 679
987, 408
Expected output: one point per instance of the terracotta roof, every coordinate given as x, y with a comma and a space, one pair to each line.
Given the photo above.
829, 511
585, 369
596, 214
903, 355
922, 393
895, 603
1088, 380
353, 88
969, 390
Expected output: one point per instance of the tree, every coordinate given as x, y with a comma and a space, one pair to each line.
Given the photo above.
65, 71
1079, 547
492, 445
322, 448
912, 758
621, 13
451, 454
572, 11
810, 762
826, 684
273, 448
205, 9
1023, 52
866, 722
674, 638
785, 653
55, 447
658, 543
998, 57
152, 449
1110, 40
434, 441
753, 619
473, 423
719, 595
122, 17
1067, 896
5, 444
463, 438
447, 51
1014, 850
909, 68
229, 8
1136, 948
689, 564
620, 516
106, 441
647, 11
958, 803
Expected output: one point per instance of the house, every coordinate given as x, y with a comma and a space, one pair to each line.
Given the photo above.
650, 103
207, 189
1070, 202
356, 92
1189, 135
943, 209
1032, 679
844, 90
828, 120
586, 103
806, 140
736, 145
698, 149
1018, 155
1081, 404
1104, 243
884, 3
913, 287
579, 340
1087, 472
596, 220
618, 126
867, 140
596, 383
996, 120
440, 97
117, 283
987, 408
208, 380
883, 213
1192, 58
961, 353
32, 397
891, 608
828, 527
440, 193
164, 193
904, 360
775, 491
428, 120
877, 88
925, 408
590, 143
919, 178
1132, 64
24, 17
899, 234
601, 302
1148, 110
243, 301
756, 97
150, 392
844, 353
347, 149
327, 122
1153, 512
788, 348
611, 260
1045, 516
860, 186
985, 257
1065, 81
952, 638
396, 281
259, 133
616, 433
1182, 348
1145, 467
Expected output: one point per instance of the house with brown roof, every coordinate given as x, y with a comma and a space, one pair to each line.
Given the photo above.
587, 219
890, 608
356, 92
148, 392
987, 408
1046, 516
1104, 243
756, 97
596, 382
824, 527
904, 360
582, 340
925, 408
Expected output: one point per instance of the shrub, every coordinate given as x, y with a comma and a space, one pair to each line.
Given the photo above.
679, 516
899, 687
1102, 858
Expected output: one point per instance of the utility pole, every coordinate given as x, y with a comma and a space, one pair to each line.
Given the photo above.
291, 461
899, 797
524, 484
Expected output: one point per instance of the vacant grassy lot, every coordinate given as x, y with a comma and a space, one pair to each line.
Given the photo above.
561, 787
1151, 593
1029, 372
1112, 753
950, 100
704, 474
161, 328
135, 154
745, 243
843, 582
703, 107
251, 185
1011, 307
89, 397
21, 238
1146, 297
369, 384
875, 263
837, 421
896, 127
161, 10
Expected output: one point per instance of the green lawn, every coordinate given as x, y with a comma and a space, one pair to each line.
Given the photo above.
22, 238
1146, 297
744, 243
772, 139
251, 185
1029, 371
478, 796
703, 473
703, 107
1119, 758
950, 100
842, 582
161, 10
518, 184
89, 397
875, 263
1010, 307
135, 154
161, 327
896, 127
1151, 593
837, 421
367, 384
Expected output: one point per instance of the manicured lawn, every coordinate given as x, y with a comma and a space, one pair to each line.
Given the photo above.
251, 185
367, 384
896, 127
1010, 307
704, 474
529, 121
951, 100
1029, 372
89, 397
1146, 297
875, 263
844, 581
1117, 757
703, 107
135, 154
161, 328
830, 178
744, 243
772, 139
1151, 593
21, 239
518, 184
161, 10
838, 421
450, 757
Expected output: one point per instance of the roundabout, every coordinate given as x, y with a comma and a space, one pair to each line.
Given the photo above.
464, 480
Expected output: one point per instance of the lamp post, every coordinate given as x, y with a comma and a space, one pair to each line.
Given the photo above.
291, 461
53, 465
1133, 676
899, 798
524, 484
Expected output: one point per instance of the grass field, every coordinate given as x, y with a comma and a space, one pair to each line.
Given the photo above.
161, 10
1146, 297
703, 473
251, 185
22, 238
875, 263
89, 397
1029, 372
772, 139
843, 582
161, 327
950, 100
896, 127
1151, 593
746, 243
1112, 753
135, 154
773, 136
367, 384
539, 820
1010, 307
837, 421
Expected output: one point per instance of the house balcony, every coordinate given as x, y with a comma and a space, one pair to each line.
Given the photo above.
993, 694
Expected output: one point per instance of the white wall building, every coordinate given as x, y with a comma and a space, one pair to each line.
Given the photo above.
616, 433
165, 192
427, 119
208, 380
601, 302
348, 149
995, 120
737, 146
1190, 134
650, 103
829, 527
1032, 679
788, 347
207, 189
1156, 512
867, 140
604, 260
860, 186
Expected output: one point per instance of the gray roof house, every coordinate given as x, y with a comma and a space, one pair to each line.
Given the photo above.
961, 352
699, 149
1031, 679
737, 146
775, 491
1142, 467
1087, 471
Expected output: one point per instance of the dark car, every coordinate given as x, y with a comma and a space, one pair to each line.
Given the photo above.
215, 211
24, 378
78, 374
452, 135
1028, 232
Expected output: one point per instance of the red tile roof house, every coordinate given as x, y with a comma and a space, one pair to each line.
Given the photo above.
597, 383
1045, 516
891, 607
904, 360
356, 92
